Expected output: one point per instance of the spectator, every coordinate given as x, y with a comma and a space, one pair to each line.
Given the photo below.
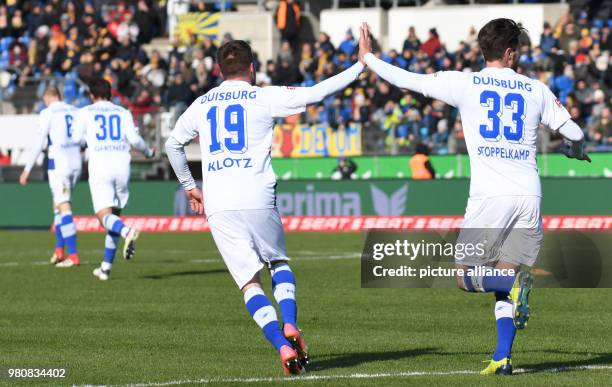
288, 20
345, 169
420, 165
412, 42
547, 39
432, 44
348, 45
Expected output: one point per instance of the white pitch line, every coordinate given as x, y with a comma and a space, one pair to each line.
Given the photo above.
359, 375
210, 260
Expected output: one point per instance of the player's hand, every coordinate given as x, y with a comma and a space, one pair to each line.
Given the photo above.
23, 178
569, 153
150, 153
195, 200
365, 42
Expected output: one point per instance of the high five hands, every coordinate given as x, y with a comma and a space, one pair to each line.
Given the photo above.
365, 42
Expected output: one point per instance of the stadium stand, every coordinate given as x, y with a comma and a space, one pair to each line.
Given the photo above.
69, 42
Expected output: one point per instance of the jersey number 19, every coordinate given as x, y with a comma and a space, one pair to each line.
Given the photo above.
235, 125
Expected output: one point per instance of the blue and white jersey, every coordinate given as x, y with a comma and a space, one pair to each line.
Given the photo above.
108, 130
234, 122
55, 126
500, 112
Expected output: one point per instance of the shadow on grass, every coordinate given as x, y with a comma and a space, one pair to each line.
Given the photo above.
594, 360
354, 359
183, 274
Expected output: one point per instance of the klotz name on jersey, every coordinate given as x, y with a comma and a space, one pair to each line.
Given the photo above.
230, 162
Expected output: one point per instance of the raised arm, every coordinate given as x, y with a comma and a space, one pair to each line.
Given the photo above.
287, 101
331, 85
445, 86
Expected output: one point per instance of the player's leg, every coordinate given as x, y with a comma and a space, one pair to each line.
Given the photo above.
62, 186
233, 238
109, 195
111, 241
264, 314
482, 279
110, 220
283, 288
58, 253
506, 331
69, 233
269, 237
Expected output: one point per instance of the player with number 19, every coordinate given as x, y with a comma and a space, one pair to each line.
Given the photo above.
234, 122
108, 130
501, 111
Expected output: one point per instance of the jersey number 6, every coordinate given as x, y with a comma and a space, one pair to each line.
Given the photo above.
513, 101
235, 125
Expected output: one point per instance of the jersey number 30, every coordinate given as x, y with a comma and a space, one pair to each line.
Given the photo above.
235, 125
110, 127
513, 101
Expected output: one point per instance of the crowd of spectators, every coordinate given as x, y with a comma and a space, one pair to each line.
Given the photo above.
77, 40
572, 57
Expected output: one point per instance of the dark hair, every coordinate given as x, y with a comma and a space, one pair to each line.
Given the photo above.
100, 88
234, 58
497, 36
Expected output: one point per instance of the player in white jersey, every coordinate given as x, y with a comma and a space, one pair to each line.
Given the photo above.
234, 122
64, 169
109, 132
500, 112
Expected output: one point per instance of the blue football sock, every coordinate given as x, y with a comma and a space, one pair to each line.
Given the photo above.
69, 232
264, 315
505, 329
283, 286
110, 247
57, 222
113, 223
478, 282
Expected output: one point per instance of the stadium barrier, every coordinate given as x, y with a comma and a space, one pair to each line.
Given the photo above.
31, 206
446, 166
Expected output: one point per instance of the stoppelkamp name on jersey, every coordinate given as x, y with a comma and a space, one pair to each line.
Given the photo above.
503, 153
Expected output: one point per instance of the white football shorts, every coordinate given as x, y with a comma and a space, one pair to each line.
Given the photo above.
62, 184
508, 228
248, 240
109, 191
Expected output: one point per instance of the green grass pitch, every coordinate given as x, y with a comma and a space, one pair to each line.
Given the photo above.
174, 314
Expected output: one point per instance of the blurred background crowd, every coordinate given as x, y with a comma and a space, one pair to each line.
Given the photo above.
76, 40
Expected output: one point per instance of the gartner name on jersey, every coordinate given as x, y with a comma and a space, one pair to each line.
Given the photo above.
230, 162
503, 153
111, 148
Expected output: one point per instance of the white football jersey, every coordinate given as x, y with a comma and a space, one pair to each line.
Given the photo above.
235, 124
56, 124
108, 130
500, 112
